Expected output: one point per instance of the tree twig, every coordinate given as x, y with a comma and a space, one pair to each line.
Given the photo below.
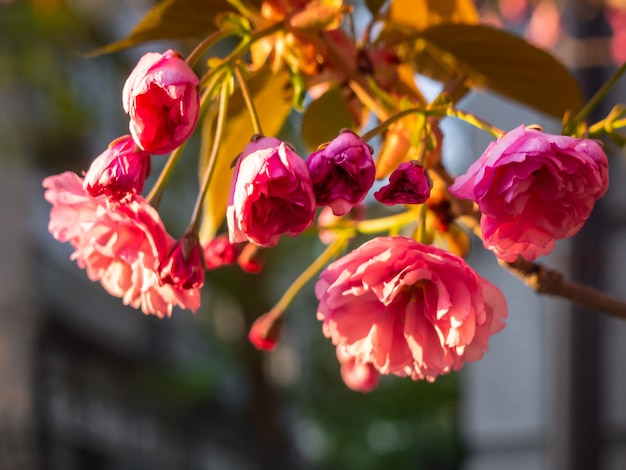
549, 281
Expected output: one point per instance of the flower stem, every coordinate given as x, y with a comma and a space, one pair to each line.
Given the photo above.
254, 117
206, 44
335, 247
614, 120
599, 95
208, 172
438, 112
380, 128
156, 193
242, 8
474, 121
242, 49
385, 224
422, 224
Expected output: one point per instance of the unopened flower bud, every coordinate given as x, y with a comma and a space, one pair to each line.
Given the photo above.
220, 252
265, 331
342, 172
408, 184
184, 266
119, 172
161, 97
270, 194
248, 260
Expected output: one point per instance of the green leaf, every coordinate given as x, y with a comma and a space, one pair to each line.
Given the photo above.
499, 61
325, 117
271, 94
172, 19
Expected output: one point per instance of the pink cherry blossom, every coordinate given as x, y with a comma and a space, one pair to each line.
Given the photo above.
161, 97
408, 309
533, 189
119, 172
342, 172
119, 246
408, 184
270, 194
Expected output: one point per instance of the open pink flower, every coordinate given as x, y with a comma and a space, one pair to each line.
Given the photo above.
408, 309
342, 172
161, 97
270, 194
119, 172
533, 189
121, 247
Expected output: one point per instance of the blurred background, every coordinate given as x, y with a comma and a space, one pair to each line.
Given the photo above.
86, 383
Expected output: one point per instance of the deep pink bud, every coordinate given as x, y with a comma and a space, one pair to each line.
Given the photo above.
408, 184
247, 259
161, 97
119, 172
270, 194
220, 252
265, 331
184, 265
342, 172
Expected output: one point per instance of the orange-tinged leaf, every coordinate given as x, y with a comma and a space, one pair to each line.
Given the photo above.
421, 14
318, 15
397, 146
172, 19
499, 61
271, 94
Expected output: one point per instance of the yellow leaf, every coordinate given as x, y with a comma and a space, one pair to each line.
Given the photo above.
271, 94
172, 19
421, 14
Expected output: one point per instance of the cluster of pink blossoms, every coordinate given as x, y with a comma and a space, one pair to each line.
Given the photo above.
118, 237
391, 306
397, 306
